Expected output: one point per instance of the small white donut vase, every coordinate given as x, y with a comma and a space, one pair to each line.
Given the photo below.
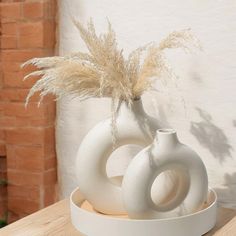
134, 126
190, 184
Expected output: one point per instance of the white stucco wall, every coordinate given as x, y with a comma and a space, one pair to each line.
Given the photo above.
207, 81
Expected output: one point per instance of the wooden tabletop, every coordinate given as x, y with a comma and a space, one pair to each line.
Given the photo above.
55, 221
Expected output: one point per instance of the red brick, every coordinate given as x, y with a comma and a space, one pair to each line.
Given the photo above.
50, 163
11, 157
11, 163
1, 81
3, 164
49, 142
10, 122
3, 199
33, 159
33, 10
37, 34
22, 122
9, 28
3, 175
3, 194
50, 99
22, 205
18, 109
25, 192
11, 10
50, 177
12, 79
31, 41
8, 42
31, 35
22, 94
28, 69
49, 34
15, 80
51, 111
12, 217
2, 106
25, 136
2, 134
9, 95
31, 28
49, 116
40, 122
3, 209
21, 55
24, 178
16, 95
2, 149
49, 195
32, 151
29, 159
49, 135
30, 163
11, 66
7, 122
50, 9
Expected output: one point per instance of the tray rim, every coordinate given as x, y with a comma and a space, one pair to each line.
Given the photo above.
210, 191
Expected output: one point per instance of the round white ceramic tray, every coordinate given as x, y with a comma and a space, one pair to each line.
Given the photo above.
91, 223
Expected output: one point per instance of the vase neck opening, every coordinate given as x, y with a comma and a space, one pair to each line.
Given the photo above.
166, 138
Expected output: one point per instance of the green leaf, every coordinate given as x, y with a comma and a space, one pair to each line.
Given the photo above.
3, 223
3, 182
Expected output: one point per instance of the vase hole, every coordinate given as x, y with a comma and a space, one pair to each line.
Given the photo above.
169, 189
166, 131
118, 162
164, 188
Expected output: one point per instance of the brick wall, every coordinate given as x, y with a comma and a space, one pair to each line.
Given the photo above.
3, 188
2, 134
3, 168
26, 135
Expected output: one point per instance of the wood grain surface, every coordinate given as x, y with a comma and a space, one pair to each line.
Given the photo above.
55, 221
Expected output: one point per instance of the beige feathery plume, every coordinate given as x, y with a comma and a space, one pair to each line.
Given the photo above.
103, 71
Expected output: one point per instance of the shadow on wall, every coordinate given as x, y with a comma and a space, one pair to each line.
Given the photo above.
228, 191
211, 137
195, 75
234, 123
162, 117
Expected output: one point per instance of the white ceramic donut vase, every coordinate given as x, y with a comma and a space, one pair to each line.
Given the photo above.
190, 186
134, 126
